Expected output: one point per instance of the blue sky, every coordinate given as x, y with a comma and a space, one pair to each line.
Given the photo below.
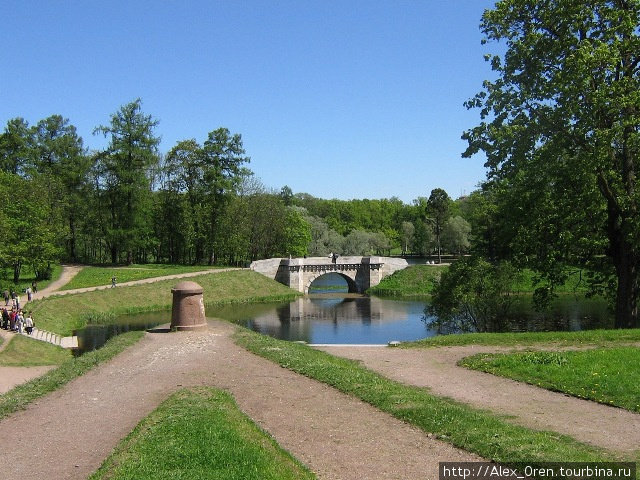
339, 99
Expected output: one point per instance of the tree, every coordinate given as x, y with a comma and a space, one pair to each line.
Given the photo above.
455, 235
62, 163
27, 238
561, 132
358, 242
437, 213
16, 146
407, 235
474, 295
124, 174
222, 156
287, 195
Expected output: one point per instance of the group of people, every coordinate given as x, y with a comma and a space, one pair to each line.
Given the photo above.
16, 321
13, 318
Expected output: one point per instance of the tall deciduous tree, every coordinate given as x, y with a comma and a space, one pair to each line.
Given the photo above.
455, 235
124, 170
561, 132
27, 237
62, 163
438, 206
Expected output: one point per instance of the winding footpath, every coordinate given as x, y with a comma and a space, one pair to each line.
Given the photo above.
68, 433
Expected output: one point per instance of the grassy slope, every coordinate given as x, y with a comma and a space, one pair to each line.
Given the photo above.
27, 352
63, 314
96, 276
416, 280
202, 434
602, 375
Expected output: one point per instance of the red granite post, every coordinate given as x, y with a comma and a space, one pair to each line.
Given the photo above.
188, 307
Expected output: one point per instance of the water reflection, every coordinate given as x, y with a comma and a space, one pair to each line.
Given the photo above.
93, 337
335, 319
354, 319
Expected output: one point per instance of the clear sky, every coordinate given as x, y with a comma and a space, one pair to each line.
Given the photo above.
339, 99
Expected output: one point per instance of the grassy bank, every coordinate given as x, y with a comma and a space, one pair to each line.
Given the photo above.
582, 337
27, 352
601, 375
19, 397
472, 429
413, 281
97, 276
200, 433
418, 280
63, 314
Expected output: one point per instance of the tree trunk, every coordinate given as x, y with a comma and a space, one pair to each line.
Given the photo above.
628, 289
16, 272
72, 240
625, 258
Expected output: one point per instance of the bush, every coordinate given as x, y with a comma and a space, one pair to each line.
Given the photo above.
473, 295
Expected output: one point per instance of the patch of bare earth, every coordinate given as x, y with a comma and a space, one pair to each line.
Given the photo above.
68, 433
528, 405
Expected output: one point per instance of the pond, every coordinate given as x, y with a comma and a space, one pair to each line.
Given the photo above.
338, 318
330, 315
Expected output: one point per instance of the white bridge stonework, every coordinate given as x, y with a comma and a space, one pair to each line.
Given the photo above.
360, 273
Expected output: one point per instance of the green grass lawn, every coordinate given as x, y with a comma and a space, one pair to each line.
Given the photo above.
579, 338
26, 277
472, 429
27, 352
97, 276
63, 314
605, 375
200, 434
413, 281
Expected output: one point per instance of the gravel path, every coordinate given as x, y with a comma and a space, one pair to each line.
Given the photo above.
67, 434
435, 368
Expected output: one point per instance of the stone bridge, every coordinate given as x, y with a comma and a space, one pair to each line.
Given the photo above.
360, 273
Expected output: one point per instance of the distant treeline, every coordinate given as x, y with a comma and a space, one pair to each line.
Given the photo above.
196, 204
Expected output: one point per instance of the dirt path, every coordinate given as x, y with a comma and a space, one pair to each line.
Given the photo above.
435, 368
67, 434
68, 272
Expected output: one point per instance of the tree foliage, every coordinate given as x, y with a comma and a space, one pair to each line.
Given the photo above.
123, 176
438, 206
561, 132
473, 295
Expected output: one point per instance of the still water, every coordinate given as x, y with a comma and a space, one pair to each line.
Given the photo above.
336, 318
329, 315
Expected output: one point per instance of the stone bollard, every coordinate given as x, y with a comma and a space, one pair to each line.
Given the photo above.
188, 307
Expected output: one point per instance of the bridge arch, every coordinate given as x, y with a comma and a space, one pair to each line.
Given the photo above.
351, 284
